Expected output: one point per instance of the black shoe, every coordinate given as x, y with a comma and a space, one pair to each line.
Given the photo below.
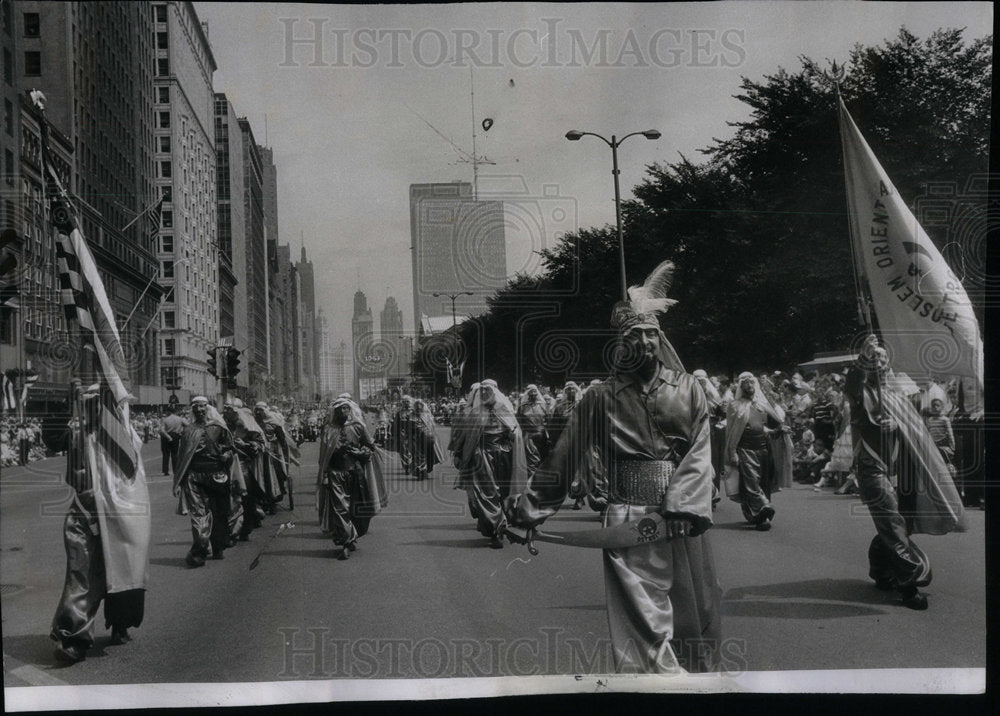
767, 514
886, 585
244, 537
353, 545
193, 561
218, 555
120, 636
345, 554
496, 543
914, 600
70, 653
763, 526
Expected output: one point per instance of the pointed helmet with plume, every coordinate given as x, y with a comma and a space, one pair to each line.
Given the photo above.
646, 302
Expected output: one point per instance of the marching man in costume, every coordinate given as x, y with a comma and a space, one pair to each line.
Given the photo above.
203, 476
892, 444
349, 486
649, 422
106, 534
750, 420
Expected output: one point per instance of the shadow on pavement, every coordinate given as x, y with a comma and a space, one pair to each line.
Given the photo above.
169, 562
327, 553
809, 599
475, 542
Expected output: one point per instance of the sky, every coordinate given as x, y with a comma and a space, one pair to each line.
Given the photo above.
358, 102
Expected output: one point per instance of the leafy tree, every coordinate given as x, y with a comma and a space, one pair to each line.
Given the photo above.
758, 229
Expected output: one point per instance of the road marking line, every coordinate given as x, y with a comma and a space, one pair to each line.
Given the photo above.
31, 674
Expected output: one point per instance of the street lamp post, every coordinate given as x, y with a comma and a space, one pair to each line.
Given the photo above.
574, 135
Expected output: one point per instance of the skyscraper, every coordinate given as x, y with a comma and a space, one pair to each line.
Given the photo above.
234, 247
186, 177
370, 359
96, 63
309, 350
458, 245
399, 344
256, 277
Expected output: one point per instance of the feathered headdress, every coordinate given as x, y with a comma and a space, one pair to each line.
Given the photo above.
646, 302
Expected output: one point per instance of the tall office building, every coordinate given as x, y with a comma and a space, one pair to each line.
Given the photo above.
458, 245
186, 176
309, 349
234, 244
369, 359
96, 64
342, 370
32, 319
324, 362
400, 344
258, 360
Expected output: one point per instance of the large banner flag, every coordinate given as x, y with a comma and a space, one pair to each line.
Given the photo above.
112, 450
924, 315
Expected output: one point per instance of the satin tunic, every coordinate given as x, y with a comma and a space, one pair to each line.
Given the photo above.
663, 598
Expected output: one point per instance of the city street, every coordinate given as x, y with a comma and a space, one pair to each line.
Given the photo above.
424, 597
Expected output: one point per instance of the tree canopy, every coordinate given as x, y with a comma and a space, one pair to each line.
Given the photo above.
758, 226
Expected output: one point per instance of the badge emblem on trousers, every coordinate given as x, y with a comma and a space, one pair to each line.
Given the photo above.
648, 530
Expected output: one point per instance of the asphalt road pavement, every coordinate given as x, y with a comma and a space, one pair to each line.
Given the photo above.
425, 597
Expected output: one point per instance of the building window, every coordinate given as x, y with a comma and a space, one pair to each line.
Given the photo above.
167, 192
168, 346
161, 40
8, 166
32, 63
32, 27
163, 95
8, 70
165, 144
165, 170
168, 319
168, 269
161, 13
162, 66
8, 117
167, 218
167, 244
164, 120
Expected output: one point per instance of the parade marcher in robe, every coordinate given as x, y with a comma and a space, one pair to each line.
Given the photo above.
779, 440
459, 424
892, 444
717, 430
203, 476
400, 432
349, 487
589, 483
531, 416
425, 449
650, 422
489, 451
248, 441
279, 455
106, 534
750, 418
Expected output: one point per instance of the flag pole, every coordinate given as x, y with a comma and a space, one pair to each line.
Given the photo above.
862, 289
836, 75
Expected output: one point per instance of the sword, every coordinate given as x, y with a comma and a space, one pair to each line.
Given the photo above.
281, 528
644, 530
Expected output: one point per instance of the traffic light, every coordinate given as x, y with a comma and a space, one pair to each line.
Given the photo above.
232, 362
211, 362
